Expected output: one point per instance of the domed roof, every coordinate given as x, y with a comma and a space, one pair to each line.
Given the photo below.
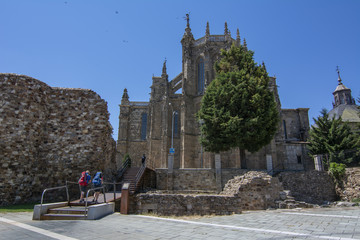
341, 87
348, 113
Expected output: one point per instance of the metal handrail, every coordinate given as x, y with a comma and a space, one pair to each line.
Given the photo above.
139, 175
124, 167
54, 188
114, 186
87, 195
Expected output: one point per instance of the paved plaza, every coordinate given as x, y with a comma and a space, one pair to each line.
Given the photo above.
321, 223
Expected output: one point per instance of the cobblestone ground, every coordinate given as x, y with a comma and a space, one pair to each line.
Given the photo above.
323, 223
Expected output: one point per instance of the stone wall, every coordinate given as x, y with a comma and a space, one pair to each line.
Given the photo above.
49, 135
194, 179
183, 204
349, 189
251, 191
310, 186
186, 179
257, 190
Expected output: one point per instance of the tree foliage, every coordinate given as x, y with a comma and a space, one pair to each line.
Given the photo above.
238, 108
333, 139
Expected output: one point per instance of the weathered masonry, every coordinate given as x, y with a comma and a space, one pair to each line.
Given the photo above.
168, 119
49, 135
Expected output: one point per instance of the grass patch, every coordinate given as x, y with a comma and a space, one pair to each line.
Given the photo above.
29, 207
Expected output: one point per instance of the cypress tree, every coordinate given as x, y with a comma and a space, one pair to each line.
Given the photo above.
332, 138
238, 108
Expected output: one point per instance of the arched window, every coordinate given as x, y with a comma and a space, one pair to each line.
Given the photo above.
143, 126
201, 77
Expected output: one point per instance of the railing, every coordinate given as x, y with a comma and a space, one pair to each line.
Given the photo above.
124, 167
114, 186
54, 188
138, 176
87, 195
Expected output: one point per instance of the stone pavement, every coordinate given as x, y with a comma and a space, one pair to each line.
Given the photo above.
322, 223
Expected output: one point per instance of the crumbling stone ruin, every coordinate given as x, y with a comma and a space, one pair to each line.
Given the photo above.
49, 135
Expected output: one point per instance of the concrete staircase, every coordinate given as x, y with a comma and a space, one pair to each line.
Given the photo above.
65, 213
61, 211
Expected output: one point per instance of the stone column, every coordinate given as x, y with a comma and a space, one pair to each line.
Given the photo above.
170, 173
269, 164
218, 172
318, 163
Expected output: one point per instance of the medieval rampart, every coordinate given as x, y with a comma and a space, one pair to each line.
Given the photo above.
49, 135
310, 186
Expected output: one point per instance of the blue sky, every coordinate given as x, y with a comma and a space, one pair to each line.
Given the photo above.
108, 45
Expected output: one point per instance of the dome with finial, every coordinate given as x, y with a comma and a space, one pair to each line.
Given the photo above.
344, 104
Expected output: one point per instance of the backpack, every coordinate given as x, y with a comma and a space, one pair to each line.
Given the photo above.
82, 180
97, 179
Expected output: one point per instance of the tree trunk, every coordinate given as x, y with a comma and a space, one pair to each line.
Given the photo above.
243, 159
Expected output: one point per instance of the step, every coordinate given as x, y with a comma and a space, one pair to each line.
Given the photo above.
51, 216
67, 210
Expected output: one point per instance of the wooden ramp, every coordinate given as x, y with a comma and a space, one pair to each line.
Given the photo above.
110, 197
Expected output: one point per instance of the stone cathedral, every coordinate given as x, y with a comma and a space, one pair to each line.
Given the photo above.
168, 119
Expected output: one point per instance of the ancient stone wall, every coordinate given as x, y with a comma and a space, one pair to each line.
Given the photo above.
49, 135
194, 179
349, 188
310, 186
251, 191
182, 204
186, 179
257, 190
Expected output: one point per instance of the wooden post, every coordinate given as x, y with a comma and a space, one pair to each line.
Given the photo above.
124, 198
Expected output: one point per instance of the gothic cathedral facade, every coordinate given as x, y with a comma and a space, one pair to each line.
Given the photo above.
168, 120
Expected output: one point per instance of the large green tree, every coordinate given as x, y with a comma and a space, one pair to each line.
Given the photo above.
333, 139
238, 109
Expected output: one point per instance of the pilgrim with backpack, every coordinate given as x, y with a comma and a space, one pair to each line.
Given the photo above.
97, 183
84, 181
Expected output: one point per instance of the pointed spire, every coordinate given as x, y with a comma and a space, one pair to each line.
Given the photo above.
188, 29
245, 44
237, 37
164, 74
226, 31
188, 37
125, 94
164, 68
125, 97
339, 78
187, 21
207, 32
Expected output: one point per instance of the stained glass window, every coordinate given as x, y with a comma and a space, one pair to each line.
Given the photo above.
176, 124
143, 126
201, 77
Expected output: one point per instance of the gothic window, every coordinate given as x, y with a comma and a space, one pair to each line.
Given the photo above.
201, 77
143, 126
176, 125
285, 132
